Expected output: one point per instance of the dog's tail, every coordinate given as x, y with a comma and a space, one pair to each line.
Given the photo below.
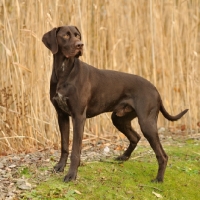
170, 117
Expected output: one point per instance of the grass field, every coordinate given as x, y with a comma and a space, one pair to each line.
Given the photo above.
128, 180
156, 39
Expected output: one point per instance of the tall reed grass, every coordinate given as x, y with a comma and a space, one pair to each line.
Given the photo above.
156, 39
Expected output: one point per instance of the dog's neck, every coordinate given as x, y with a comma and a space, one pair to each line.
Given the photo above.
62, 65
67, 64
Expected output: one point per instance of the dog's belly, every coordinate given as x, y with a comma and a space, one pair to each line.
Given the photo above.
121, 108
94, 110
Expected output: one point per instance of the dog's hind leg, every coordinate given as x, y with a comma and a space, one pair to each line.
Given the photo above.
123, 124
149, 128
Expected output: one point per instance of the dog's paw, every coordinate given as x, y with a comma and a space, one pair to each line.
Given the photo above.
59, 167
122, 158
70, 177
157, 180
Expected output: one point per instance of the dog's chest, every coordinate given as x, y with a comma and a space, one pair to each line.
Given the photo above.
62, 103
63, 66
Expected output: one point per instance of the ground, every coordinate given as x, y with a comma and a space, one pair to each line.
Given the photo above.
22, 175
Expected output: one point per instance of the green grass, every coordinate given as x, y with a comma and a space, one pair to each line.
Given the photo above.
25, 171
131, 179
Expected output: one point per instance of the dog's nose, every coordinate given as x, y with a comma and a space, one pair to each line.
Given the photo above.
79, 44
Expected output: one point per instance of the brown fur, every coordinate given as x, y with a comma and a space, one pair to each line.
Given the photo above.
82, 91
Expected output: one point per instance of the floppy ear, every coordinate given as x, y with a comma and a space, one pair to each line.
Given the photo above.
50, 40
77, 30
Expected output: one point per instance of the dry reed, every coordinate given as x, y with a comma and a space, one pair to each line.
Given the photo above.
156, 39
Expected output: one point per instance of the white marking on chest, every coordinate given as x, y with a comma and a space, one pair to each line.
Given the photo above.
63, 66
60, 95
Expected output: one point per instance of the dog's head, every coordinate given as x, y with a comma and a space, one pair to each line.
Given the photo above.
66, 39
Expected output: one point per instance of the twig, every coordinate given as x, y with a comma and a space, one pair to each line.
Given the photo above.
134, 158
112, 162
141, 185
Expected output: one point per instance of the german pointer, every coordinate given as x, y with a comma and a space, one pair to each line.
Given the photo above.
82, 91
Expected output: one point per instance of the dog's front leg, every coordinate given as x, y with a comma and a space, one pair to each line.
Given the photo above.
63, 122
78, 127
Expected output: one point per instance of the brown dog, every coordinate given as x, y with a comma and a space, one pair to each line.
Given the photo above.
82, 91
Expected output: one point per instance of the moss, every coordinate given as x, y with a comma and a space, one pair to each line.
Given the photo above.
131, 179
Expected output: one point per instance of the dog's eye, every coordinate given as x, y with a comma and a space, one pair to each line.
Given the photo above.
66, 36
78, 36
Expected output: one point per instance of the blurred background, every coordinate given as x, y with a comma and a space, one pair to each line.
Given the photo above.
156, 39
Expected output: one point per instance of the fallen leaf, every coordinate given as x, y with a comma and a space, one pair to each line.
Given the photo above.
119, 148
77, 192
129, 192
23, 184
106, 149
183, 127
12, 166
157, 195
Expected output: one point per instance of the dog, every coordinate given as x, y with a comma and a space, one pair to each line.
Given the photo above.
81, 91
